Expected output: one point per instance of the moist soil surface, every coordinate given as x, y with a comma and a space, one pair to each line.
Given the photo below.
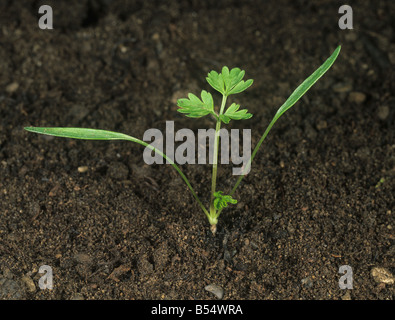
320, 194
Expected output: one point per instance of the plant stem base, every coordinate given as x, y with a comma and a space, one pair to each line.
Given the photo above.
213, 228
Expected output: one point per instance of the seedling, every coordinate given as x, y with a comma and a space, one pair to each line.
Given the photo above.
227, 83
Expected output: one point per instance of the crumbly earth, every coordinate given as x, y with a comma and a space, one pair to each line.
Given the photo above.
320, 193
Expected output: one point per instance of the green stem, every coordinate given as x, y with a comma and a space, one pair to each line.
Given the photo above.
213, 214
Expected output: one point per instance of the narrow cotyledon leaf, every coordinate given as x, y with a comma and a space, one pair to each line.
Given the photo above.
307, 84
293, 98
97, 134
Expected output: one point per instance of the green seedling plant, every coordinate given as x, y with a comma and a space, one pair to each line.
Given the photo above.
228, 82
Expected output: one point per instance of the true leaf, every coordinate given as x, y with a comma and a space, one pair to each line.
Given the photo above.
194, 107
221, 201
233, 113
216, 81
228, 82
241, 86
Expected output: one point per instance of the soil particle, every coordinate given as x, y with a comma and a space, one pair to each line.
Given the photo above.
382, 275
216, 290
144, 266
83, 258
357, 97
83, 169
307, 282
342, 87
12, 87
29, 283
347, 296
321, 125
118, 272
383, 112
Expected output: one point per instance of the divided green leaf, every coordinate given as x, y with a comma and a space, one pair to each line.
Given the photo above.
194, 107
221, 201
241, 86
216, 81
228, 82
233, 113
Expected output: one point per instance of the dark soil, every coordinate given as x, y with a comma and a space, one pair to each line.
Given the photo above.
121, 229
